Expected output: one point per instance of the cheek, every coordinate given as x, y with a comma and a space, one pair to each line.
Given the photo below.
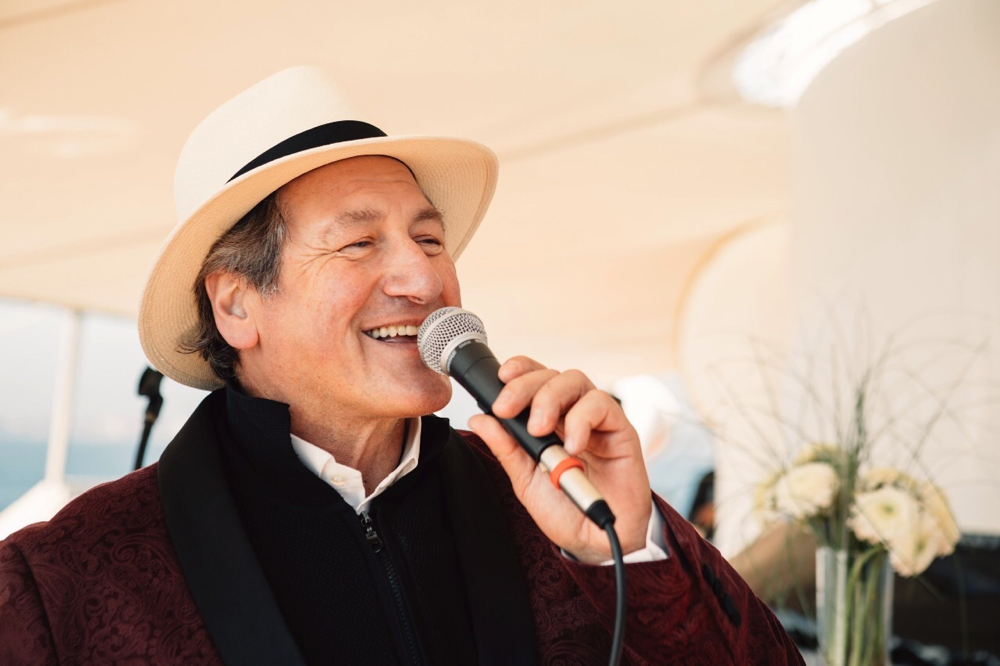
333, 303
295, 319
451, 292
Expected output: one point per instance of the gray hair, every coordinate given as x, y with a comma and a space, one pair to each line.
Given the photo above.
250, 250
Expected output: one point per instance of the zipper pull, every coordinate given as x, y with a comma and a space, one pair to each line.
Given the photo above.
370, 534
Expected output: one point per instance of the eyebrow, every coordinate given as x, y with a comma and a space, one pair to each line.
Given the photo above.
370, 216
358, 216
429, 214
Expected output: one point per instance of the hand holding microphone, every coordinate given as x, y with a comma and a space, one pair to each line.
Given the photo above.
534, 405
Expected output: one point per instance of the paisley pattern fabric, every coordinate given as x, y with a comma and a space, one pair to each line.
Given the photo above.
676, 615
100, 584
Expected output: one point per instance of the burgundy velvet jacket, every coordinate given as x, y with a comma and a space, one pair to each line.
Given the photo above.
134, 572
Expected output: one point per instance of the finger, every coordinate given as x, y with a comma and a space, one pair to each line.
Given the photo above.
516, 463
594, 411
519, 392
554, 398
517, 366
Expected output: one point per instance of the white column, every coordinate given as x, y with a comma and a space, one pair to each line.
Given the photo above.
895, 156
62, 403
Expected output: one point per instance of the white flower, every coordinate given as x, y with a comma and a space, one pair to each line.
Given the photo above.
806, 490
940, 517
913, 553
888, 515
915, 527
878, 477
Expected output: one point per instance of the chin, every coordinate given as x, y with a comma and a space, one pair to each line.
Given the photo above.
435, 397
431, 395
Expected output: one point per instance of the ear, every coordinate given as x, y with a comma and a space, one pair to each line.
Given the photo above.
231, 301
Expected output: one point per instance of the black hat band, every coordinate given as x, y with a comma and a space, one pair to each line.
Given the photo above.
323, 135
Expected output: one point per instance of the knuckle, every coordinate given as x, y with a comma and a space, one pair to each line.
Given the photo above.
548, 390
573, 418
579, 376
523, 362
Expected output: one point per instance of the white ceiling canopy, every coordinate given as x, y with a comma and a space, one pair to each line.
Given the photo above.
616, 169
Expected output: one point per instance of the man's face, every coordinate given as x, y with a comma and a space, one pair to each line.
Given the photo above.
365, 252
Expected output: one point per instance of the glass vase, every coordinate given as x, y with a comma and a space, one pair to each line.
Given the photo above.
853, 606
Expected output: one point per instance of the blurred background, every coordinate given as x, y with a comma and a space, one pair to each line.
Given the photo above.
713, 208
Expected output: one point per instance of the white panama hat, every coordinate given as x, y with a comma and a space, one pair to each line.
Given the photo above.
286, 125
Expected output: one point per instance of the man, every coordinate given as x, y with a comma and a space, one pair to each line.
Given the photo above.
310, 511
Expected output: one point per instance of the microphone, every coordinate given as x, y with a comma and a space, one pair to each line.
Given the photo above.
452, 341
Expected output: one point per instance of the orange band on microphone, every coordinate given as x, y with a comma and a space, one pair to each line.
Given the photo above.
567, 463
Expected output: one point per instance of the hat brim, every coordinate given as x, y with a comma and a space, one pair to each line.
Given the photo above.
458, 176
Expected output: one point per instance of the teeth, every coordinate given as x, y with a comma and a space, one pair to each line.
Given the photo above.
392, 331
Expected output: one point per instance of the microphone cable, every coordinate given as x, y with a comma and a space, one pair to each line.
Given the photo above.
601, 515
618, 636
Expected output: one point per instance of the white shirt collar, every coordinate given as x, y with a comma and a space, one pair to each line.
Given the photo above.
348, 481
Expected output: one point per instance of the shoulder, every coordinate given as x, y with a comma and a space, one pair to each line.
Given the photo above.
93, 524
103, 580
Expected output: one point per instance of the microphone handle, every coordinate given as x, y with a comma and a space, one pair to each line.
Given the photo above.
474, 366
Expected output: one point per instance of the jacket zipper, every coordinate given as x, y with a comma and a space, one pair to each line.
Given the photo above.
368, 525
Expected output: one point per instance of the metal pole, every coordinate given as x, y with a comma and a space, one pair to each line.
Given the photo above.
62, 402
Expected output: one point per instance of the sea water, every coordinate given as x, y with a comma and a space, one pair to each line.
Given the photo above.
22, 464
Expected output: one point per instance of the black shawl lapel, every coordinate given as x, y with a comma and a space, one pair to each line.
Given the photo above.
497, 594
233, 596
219, 565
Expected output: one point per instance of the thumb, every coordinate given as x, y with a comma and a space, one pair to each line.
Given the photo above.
515, 461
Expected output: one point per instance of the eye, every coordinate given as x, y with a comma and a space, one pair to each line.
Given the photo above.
358, 245
432, 245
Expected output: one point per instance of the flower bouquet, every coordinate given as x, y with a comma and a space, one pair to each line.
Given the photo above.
843, 432
865, 519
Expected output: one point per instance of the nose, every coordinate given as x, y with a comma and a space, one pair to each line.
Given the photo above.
411, 273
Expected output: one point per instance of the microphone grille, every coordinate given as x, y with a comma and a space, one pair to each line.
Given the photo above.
440, 328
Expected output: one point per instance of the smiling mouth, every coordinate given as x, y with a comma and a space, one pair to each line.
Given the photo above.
401, 333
